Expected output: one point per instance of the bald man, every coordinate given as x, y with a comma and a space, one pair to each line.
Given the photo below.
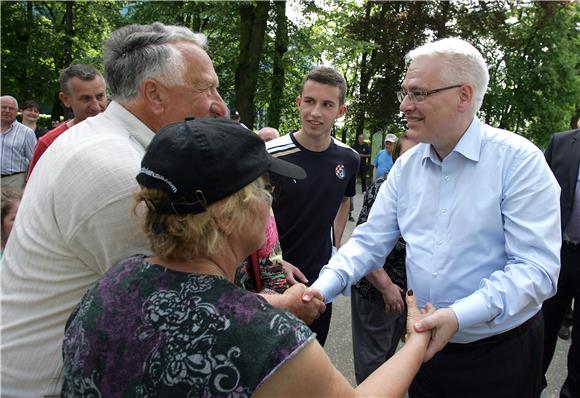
268, 134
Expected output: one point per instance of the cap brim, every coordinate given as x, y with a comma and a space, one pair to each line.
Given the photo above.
286, 169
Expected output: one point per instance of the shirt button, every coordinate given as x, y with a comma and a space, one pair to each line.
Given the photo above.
446, 178
443, 210
439, 242
434, 274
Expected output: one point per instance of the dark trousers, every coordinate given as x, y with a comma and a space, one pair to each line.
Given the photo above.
554, 310
322, 324
362, 172
375, 333
507, 365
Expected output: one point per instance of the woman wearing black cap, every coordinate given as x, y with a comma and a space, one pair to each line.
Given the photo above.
173, 324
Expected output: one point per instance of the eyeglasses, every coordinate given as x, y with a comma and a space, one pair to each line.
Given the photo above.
421, 95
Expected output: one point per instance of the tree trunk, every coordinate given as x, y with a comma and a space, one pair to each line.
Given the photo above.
25, 41
253, 18
365, 75
69, 33
279, 69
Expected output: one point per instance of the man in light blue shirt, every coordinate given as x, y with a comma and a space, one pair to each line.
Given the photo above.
384, 159
479, 210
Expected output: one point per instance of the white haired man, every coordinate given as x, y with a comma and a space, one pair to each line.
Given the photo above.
75, 222
268, 134
479, 210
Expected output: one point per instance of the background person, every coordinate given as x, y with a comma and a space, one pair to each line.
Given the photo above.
563, 157
83, 89
268, 134
187, 330
377, 300
364, 152
30, 113
478, 209
384, 159
16, 144
310, 212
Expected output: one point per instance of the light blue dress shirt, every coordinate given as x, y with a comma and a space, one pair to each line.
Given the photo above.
482, 228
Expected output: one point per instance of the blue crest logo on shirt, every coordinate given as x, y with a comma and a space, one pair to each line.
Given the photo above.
339, 170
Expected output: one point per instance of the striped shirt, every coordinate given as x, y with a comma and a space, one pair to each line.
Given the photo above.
16, 147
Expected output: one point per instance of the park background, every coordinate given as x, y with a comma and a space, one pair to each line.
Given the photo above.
262, 49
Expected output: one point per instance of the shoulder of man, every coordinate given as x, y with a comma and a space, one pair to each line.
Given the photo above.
341, 144
517, 144
21, 128
563, 135
280, 145
52, 135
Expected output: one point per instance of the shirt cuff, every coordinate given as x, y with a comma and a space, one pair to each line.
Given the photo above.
328, 283
471, 310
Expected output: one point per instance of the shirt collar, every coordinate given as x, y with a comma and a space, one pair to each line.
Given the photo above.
469, 146
135, 127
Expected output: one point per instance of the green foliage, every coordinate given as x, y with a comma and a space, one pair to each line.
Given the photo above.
533, 52
532, 49
33, 43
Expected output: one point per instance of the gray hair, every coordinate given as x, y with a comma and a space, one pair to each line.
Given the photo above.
137, 52
80, 71
10, 97
463, 64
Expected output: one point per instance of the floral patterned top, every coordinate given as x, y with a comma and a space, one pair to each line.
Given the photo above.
146, 331
395, 261
269, 258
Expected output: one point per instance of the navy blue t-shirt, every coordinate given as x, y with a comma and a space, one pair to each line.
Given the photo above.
305, 209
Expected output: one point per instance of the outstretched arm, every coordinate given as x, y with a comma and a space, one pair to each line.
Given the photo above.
311, 374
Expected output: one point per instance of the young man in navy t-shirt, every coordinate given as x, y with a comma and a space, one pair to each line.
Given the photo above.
311, 214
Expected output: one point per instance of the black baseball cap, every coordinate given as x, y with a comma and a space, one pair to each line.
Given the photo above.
200, 161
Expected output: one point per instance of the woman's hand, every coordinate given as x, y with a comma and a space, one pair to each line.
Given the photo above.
414, 315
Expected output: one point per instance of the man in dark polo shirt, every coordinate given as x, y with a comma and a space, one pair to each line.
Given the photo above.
311, 214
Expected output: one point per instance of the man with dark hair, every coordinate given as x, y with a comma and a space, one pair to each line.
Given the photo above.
74, 221
82, 88
16, 144
309, 212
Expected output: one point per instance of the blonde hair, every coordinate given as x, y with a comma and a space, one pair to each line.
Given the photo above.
188, 236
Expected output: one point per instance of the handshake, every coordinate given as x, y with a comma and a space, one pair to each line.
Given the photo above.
306, 303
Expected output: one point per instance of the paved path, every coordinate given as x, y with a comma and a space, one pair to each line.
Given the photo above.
339, 342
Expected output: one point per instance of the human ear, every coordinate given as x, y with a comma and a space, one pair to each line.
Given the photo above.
153, 94
465, 98
64, 98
